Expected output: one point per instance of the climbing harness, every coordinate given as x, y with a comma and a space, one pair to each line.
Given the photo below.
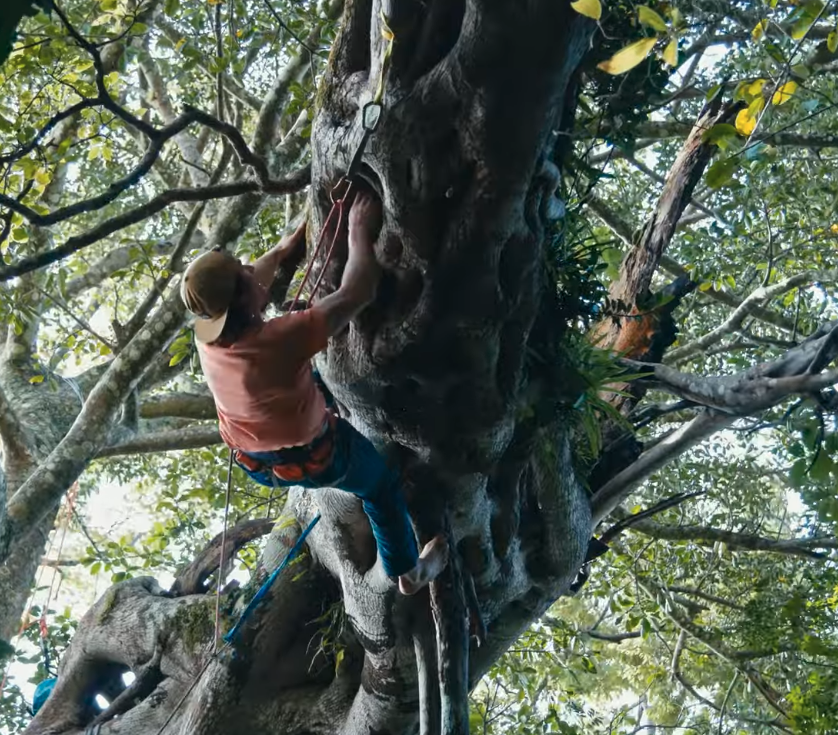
295, 464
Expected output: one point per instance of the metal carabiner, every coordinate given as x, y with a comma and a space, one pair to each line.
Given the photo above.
370, 116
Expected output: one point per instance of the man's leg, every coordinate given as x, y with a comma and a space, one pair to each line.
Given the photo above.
358, 468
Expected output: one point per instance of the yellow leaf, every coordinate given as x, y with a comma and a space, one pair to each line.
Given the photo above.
745, 124
386, 31
677, 18
755, 88
42, 177
832, 42
650, 18
628, 57
179, 45
670, 53
834, 228
588, 8
759, 29
784, 93
36, 379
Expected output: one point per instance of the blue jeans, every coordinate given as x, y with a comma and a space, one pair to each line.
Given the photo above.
358, 468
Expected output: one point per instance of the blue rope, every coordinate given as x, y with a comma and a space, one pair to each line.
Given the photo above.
263, 590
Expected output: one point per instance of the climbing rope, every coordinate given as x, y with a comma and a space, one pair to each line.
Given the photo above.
221, 553
370, 117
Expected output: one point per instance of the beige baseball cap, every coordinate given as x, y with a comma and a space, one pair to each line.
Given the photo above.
208, 288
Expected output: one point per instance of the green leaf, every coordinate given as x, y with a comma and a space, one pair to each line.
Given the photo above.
651, 19
719, 134
35, 379
721, 173
178, 358
20, 234
832, 42
801, 27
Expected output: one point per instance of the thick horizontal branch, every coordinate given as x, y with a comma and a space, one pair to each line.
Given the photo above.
738, 395
619, 487
115, 260
707, 536
293, 183
178, 405
612, 637
192, 437
192, 579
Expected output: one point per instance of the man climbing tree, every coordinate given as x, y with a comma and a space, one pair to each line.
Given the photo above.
544, 168
270, 410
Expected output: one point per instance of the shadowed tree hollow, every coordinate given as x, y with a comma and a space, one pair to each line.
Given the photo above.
493, 369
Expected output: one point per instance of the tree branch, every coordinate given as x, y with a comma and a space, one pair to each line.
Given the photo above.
12, 439
89, 431
118, 259
192, 579
178, 405
672, 611
295, 182
611, 637
619, 487
624, 231
641, 263
759, 297
766, 315
707, 536
170, 440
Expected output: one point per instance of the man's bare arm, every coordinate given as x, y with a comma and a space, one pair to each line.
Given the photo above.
266, 267
362, 273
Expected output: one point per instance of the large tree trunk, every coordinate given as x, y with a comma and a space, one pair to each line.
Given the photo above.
438, 372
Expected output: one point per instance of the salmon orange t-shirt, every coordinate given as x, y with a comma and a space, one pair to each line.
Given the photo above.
265, 395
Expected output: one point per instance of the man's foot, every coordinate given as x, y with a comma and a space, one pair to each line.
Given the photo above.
432, 561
